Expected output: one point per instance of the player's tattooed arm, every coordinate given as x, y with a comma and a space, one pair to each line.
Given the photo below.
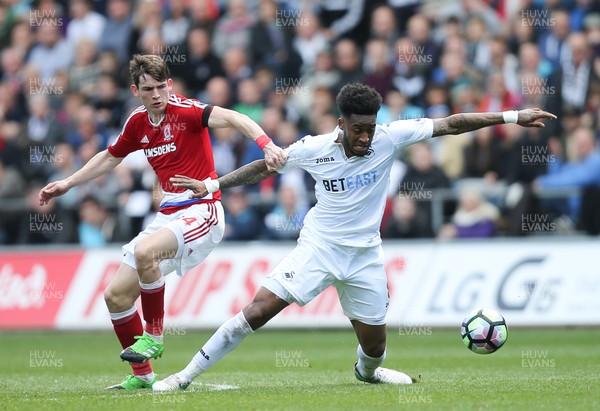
464, 122
251, 173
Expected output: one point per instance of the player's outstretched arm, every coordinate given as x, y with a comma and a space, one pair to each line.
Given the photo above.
249, 174
222, 117
464, 122
99, 164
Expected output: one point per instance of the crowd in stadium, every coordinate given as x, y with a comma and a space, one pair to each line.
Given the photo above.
64, 95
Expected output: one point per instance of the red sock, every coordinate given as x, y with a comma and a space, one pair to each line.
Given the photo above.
153, 307
127, 328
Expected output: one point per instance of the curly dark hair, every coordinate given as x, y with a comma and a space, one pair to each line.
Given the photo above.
357, 98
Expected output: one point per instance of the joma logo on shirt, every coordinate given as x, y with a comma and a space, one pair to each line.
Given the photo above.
325, 160
160, 150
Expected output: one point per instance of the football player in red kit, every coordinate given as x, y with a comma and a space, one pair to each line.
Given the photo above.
173, 133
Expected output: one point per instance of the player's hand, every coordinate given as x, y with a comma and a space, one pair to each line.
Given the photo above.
532, 117
54, 189
275, 157
197, 186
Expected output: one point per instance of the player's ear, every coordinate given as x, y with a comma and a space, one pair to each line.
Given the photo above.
170, 84
341, 122
134, 90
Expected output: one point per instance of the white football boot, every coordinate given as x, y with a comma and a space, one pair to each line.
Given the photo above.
381, 376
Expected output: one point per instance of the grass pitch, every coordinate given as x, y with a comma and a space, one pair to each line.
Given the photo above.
550, 369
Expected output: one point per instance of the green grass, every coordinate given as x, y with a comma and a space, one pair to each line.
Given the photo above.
451, 377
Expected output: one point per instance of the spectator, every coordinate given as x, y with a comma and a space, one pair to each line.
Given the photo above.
500, 60
272, 44
11, 196
405, 221
377, 66
88, 130
285, 219
146, 36
97, 226
85, 23
309, 41
410, 73
248, 98
583, 172
323, 105
108, 103
47, 224
117, 31
477, 39
485, 158
225, 150
241, 221
530, 61
51, 53
11, 65
422, 173
233, 28
419, 32
176, 26
12, 98
235, 64
324, 74
475, 217
42, 128
64, 165
422, 176
498, 98
84, 73
218, 92
348, 62
383, 25
204, 14
404, 10
553, 43
201, 64
22, 37
577, 73
396, 107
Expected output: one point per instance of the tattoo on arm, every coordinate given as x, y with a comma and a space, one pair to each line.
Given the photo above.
249, 174
463, 122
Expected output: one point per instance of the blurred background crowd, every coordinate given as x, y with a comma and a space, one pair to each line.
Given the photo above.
64, 95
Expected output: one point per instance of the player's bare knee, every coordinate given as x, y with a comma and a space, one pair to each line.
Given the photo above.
117, 302
256, 314
145, 256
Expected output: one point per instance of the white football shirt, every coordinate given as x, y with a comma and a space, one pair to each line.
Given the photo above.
351, 192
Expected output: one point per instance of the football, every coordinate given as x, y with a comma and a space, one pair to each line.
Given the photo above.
484, 331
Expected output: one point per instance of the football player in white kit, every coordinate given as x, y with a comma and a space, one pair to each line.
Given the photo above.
339, 244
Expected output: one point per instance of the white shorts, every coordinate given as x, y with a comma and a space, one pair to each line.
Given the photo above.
356, 272
198, 228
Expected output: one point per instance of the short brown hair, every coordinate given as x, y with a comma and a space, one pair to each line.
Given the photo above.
150, 64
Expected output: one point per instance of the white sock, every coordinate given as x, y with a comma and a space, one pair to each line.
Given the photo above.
225, 339
147, 377
153, 285
366, 365
157, 338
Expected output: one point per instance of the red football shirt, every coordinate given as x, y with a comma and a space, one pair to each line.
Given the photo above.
178, 144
